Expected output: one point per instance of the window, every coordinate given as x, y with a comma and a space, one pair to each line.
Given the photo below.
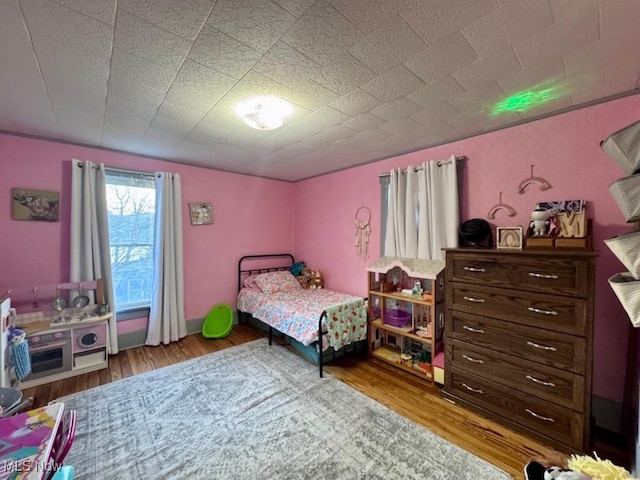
131, 201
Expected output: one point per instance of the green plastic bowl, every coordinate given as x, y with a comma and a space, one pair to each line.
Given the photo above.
219, 322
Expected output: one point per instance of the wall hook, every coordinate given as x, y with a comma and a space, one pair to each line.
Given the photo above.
501, 206
544, 185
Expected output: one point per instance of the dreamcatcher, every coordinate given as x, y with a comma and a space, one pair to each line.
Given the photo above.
363, 230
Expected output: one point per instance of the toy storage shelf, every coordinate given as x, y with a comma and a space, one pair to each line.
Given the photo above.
406, 313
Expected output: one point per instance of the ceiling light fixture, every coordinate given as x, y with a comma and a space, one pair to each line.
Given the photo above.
263, 113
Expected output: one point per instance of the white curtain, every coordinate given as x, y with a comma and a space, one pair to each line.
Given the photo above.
166, 320
423, 216
90, 252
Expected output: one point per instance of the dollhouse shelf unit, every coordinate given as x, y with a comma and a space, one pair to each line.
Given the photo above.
406, 313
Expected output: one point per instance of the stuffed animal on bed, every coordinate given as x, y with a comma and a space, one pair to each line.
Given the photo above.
317, 281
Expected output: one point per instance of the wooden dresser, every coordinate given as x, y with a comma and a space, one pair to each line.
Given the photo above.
518, 340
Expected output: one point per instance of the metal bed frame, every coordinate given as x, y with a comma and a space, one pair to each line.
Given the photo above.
243, 273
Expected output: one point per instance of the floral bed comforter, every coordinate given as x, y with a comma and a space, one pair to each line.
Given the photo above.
296, 313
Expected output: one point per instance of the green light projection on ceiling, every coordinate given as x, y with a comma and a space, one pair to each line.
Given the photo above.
531, 98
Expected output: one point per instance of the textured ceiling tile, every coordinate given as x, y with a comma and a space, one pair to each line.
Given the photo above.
599, 53
16, 52
87, 131
356, 102
179, 113
619, 17
183, 18
393, 84
162, 135
559, 39
432, 130
435, 113
118, 136
433, 20
370, 15
284, 64
36, 122
342, 74
543, 110
62, 36
388, 46
396, 109
254, 84
512, 22
364, 122
548, 73
436, 92
442, 58
127, 108
102, 10
295, 7
145, 40
401, 126
567, 10
492, 68
322, 32
170, 125
256, 23
621, 69
329, 136
116, 114
197, 87
479, 101
223, 53
129, 68
129, 90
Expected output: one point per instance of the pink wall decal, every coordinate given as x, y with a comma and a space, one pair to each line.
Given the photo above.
252, 215
564, 149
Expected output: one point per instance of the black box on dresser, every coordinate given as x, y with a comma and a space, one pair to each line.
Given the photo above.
519, 340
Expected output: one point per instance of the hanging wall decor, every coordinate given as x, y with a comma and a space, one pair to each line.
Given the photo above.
501, 206
201, 213
363, 230
35, 205
541, 182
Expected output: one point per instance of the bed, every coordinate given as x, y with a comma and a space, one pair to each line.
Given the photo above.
321, 324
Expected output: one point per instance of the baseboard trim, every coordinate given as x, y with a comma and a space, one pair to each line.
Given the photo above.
137, 339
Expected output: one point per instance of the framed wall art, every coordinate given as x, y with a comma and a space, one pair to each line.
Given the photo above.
509, 238
201, 213
35, 205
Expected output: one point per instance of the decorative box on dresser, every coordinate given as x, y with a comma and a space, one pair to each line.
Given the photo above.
518, 339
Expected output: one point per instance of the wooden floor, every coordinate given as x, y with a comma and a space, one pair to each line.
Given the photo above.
406, 394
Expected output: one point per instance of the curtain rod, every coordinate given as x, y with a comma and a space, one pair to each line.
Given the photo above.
440, 163
123, 170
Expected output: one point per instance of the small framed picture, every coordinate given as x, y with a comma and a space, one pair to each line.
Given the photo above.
201, 213
509, 237
35, 205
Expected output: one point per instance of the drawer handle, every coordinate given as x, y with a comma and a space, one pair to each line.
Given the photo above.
541, 382
542, 275
540, 417
474, 330
471, 359
473, 269
544, 312
542, 347
473, 299
471, 389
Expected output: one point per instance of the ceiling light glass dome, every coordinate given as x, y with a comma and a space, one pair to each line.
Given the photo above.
263, 113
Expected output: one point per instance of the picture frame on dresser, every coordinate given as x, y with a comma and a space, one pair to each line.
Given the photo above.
509, 238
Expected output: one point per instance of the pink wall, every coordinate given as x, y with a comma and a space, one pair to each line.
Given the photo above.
252, 215
565, 150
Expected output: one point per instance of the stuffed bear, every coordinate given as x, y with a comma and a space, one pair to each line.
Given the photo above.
317, 280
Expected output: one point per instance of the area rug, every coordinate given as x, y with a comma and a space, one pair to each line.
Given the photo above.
253, 411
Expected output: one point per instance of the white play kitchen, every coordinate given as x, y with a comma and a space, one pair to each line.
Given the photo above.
65, 327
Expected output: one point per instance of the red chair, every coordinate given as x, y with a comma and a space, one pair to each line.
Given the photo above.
63, 441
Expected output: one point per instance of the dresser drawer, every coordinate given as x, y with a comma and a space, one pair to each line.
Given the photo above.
562, 314
547, 383
554, 349
557, 423
558, 276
